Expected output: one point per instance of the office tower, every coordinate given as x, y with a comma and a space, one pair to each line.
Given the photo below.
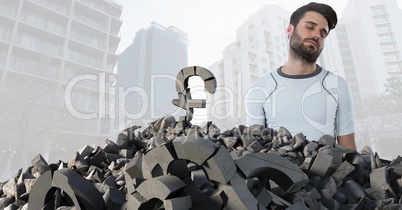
370, 40
260, 47
372, 33
146, 75
56, 67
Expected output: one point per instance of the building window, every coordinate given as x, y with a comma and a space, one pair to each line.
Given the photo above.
349, 70
354, 88
386, 38
393, 67
267, 35
278, 48
5, 32
343, 37
346, 54
251, 57
391, 57
382, 29
253, 69
387, 47
378, 11
3, 56
379, 20
341, 29
263, 60
352, 79
347, 62
344, 45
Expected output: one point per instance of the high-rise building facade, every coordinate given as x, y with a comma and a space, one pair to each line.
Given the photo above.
146, 75
260, 47
57, 62
370, 41
370, 38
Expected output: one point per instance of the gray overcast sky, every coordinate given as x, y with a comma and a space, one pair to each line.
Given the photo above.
210, 24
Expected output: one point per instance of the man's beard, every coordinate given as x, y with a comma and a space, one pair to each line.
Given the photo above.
299, 51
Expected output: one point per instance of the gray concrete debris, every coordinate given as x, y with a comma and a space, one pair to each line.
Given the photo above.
321, 164
353, 191
173, 165
343, 171
220, 167
161, 187
286, 174
380, 184
327, 188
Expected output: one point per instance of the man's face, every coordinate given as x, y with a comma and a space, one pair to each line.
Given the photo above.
307, 38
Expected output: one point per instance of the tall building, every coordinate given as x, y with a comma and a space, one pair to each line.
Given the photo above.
56, 68
370, 42
146, 75
370, 38
261, 47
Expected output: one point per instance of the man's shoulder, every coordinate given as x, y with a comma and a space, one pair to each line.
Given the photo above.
264, 81
332, 75
333, 79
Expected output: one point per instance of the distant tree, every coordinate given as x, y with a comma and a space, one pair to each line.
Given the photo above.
378, 117
29, 109
394, 92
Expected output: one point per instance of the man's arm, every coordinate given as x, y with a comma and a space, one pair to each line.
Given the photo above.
346, 126
348, 141
254, 102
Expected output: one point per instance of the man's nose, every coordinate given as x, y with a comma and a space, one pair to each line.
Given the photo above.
316, 36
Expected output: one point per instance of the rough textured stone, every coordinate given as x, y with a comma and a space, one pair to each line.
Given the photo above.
220, 167
321, 164
286, 174
209, 169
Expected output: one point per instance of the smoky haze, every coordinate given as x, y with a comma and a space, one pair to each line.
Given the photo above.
62, 88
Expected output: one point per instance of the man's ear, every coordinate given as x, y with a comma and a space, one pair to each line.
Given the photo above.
290, 29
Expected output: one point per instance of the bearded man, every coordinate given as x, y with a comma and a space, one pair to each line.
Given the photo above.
300, 95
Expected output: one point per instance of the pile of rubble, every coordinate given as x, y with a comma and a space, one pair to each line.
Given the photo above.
165, 167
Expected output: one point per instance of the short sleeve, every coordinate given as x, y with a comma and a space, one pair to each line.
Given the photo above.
255, 98
345, 122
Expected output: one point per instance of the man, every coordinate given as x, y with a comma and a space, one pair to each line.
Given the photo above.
300, 95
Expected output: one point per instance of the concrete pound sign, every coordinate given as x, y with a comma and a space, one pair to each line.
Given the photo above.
184, 99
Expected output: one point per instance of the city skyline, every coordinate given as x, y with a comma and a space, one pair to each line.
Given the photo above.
204, 47
210, 25
56, 62
151, 64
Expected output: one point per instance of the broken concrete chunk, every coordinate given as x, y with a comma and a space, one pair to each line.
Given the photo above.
220, 167
343, 171
286, 174
161, 187
321, 164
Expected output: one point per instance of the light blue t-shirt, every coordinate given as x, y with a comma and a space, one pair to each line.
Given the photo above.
302, 103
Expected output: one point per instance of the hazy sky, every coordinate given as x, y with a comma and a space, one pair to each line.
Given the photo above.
211, 25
